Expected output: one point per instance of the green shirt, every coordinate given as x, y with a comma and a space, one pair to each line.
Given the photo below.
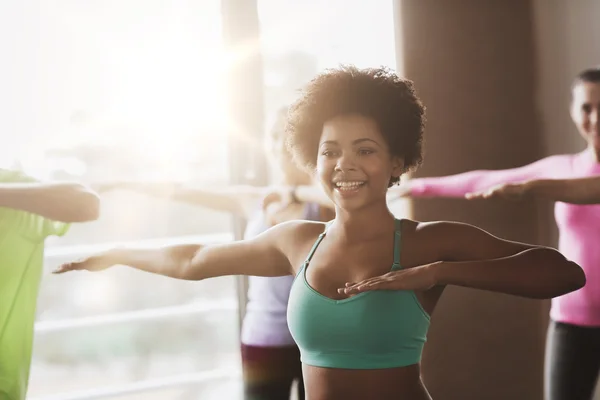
22, 236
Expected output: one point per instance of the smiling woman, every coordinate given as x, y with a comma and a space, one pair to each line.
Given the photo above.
366, 283
346, 179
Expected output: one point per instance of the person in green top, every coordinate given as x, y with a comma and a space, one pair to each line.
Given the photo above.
30, 211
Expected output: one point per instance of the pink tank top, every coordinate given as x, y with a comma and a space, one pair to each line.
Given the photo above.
579, 225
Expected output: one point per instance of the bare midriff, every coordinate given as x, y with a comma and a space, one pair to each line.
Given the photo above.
403, 383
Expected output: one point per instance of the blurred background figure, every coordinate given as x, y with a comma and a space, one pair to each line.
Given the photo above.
30, 211
270, 357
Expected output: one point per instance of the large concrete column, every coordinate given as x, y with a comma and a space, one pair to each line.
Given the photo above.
473, 63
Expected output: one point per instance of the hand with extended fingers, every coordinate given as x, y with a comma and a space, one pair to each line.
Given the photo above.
278, 194
511, 191
416, 278
94, 263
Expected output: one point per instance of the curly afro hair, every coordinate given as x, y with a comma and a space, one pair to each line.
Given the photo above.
375, 93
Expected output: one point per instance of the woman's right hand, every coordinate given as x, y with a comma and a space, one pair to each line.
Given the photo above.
97, 262
278, 194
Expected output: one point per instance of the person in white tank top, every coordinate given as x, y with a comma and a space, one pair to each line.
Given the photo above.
270, 357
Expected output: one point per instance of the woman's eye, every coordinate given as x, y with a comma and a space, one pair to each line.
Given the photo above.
365, 152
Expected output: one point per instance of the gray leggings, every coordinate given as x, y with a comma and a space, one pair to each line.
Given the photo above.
572, 362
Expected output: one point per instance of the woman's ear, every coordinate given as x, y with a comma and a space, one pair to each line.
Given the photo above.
397, 167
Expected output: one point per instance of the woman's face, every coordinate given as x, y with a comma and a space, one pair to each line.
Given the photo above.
354, 164
585, 108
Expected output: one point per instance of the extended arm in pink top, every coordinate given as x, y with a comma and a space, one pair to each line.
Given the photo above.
476, 181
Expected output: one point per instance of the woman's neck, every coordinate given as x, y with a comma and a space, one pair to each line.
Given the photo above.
363, 224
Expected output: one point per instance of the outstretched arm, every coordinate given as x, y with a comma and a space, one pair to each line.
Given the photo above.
302, 194
476, 259
64, 202
475, 181
264, 255
239, 200
576, 191
480, 260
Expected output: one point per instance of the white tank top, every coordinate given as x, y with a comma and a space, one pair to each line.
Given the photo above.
265, 322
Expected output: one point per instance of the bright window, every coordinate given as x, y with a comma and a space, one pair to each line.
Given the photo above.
124, 90
102, 90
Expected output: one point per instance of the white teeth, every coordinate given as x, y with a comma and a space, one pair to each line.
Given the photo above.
350, 185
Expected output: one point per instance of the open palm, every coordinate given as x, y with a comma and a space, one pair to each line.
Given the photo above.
93, 263
417, 278
511, 191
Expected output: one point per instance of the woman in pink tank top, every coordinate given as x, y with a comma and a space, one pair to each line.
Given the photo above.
573, 344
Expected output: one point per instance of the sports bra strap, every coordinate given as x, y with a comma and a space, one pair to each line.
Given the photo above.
317, 243
397, 237
397, 242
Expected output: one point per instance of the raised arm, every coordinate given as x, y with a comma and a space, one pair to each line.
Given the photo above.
64, 202
475, 181
302, 194
270, 254
576, 191
239, 200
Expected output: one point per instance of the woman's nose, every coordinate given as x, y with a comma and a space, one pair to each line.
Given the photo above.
346, 163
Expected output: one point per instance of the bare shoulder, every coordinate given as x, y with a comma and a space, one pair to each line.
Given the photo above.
436, 240
439, 229
420, 241
453, 232
295, 238
297, 232
431, 230
458, 241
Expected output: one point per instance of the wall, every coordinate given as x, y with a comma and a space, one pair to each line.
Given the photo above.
473, 64
495, 77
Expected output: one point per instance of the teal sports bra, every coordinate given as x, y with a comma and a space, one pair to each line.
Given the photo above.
371, 330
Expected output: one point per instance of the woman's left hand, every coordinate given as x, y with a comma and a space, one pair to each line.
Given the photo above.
416, 278
278, 194
510, 191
